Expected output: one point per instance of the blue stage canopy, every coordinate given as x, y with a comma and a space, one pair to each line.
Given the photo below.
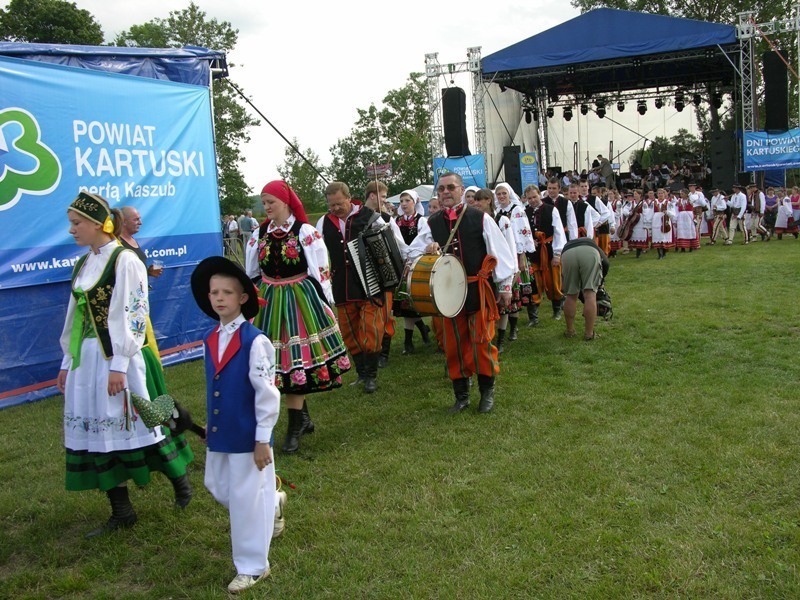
605, 34
190, 64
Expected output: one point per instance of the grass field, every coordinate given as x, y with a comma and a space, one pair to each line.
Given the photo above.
659, 461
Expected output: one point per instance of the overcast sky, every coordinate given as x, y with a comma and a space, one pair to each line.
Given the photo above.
309, 65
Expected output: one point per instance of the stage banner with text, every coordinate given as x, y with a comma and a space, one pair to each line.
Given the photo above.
471, 168
764, 151
132, 140
528, 170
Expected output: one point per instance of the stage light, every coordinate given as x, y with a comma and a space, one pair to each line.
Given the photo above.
696, 99
502, 87
620, 106
601, 108
716, 100
584, 109
679, 105
527, 113
536, 114
641, 107
659, 103
567, 113
550, 112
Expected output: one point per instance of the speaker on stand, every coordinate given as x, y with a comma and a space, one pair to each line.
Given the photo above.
454, 121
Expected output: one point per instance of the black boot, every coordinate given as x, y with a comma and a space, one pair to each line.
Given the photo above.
461, 390
183, 491
386, 346
308, 424
557, 309
122, 513
424, 331
358, 361
293, 431
533, 315
371, 372
408, 345
486, 386
638, 252
501, 336
512, 328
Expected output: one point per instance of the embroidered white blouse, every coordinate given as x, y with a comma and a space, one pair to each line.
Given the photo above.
127, 314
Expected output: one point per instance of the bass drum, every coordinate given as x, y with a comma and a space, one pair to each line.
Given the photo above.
437, 285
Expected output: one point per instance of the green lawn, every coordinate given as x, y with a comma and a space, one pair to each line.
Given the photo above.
660, 460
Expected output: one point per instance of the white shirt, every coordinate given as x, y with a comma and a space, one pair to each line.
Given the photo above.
738, 204
314, 249
127, 312
718, 202
261, 375
559, 238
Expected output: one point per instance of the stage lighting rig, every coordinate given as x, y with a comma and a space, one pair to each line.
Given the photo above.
601, 108
659, 103
679, 101
550, 112
641, 107
716, 100
697, 99
567, 113
620, 106
584, 109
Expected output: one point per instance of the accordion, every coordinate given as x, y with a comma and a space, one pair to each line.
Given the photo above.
376, 258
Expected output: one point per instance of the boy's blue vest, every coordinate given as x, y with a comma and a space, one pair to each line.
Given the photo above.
230, 398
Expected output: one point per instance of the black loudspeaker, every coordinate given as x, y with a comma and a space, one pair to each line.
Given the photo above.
776, 93
454, 117
723, 160
511, 168
745, 178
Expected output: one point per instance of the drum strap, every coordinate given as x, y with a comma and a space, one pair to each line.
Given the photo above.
453, 231
488, 305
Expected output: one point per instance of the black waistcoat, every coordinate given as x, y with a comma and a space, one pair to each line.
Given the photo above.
541, 220
580, 208
468, 245
283, 254
346, 285
408, 228
605, 227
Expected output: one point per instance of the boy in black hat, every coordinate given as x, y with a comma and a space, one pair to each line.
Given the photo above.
243, 405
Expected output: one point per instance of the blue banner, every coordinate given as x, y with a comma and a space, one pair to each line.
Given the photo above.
134, 141
763, 151
528, 170
471, 168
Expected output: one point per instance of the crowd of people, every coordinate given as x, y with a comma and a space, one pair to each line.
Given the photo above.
298, 317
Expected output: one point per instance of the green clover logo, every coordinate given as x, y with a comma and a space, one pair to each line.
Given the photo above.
46, 173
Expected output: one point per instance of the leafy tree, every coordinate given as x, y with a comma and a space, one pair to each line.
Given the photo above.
302, 177
682, 146
396, 133
191, 26
49, 22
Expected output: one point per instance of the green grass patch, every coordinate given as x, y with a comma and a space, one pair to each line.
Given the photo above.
658, 461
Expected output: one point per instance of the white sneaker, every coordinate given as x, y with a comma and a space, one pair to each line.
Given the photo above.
241, 583
280, 520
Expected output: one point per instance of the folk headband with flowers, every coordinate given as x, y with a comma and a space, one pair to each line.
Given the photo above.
95, 208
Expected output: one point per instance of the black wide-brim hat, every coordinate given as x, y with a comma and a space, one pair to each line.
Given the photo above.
218, 265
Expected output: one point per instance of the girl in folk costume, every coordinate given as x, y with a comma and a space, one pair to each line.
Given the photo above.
640, 237
291, 259
662, 224
685, 230
409, 221
435, 206
615, 203
484, 200
784, 222
104, 331
469, 195
770, 212
509, 205
795, 200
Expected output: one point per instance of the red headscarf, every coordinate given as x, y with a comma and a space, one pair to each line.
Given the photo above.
281, 190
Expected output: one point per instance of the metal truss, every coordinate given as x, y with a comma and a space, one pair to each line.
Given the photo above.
433, 71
